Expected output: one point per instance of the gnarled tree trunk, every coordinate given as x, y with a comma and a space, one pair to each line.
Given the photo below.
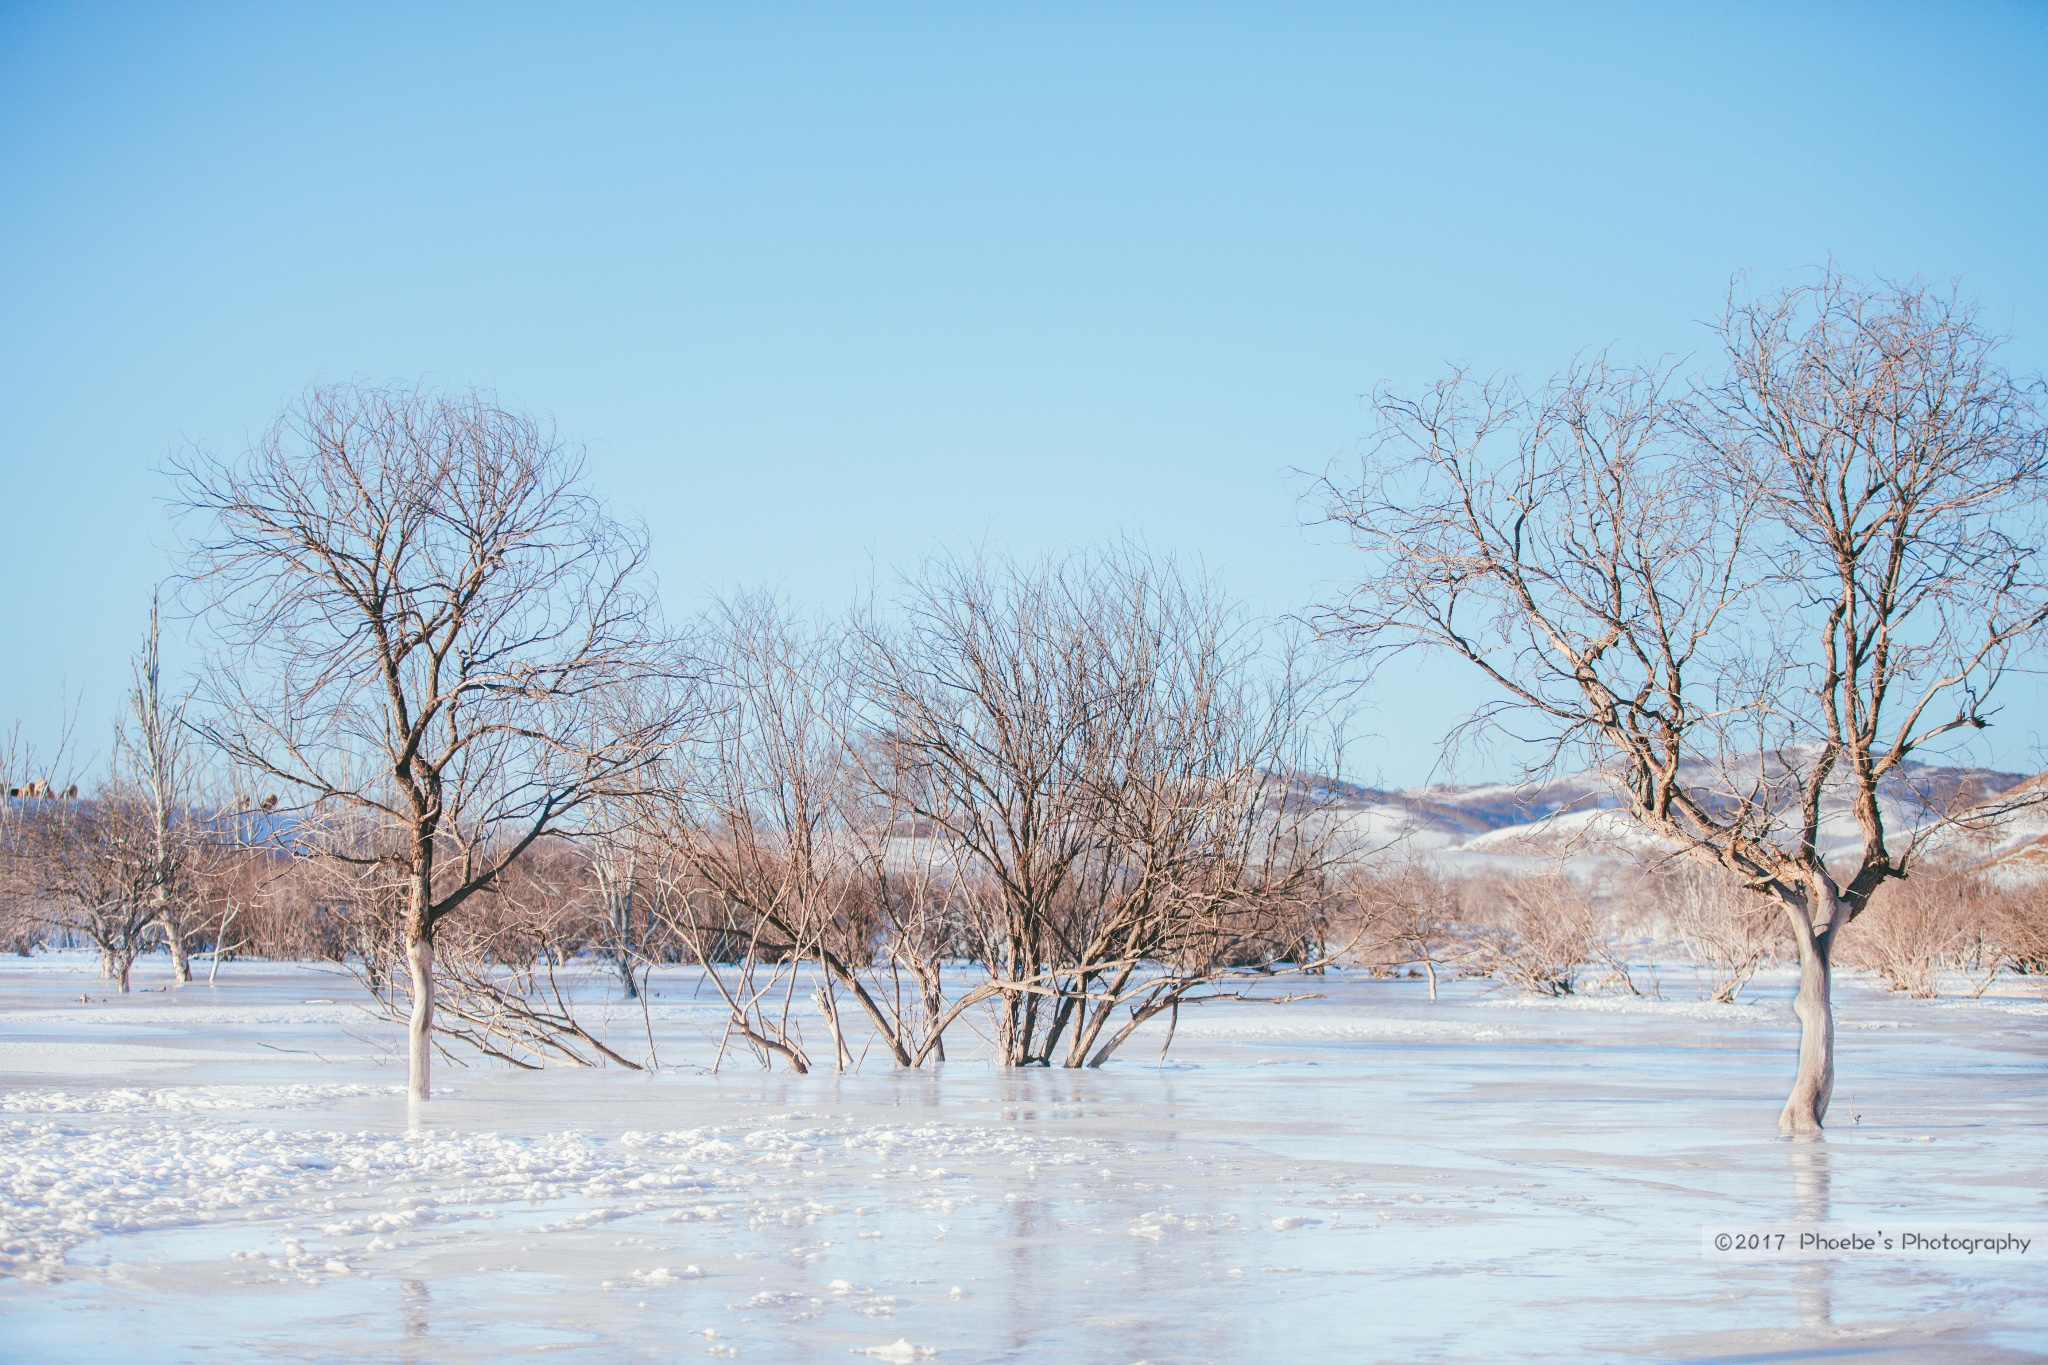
1814, 1082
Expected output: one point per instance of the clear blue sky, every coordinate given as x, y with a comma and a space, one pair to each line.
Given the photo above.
826, 286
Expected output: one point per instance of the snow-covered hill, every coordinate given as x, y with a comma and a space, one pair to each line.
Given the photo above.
1574, 816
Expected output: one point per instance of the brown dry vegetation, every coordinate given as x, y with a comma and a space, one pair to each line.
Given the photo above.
890, 924
1548, 934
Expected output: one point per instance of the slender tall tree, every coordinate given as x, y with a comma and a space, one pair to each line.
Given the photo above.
155, 752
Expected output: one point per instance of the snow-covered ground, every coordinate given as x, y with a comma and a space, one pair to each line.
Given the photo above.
231, 1174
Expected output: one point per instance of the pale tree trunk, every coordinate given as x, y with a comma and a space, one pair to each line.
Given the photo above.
419, 956
115, 965
219, 942
829, 1007
173, 929
160, 759
934, 1006
1814, 1082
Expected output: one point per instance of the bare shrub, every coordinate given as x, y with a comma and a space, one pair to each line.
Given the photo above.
1402, 915
1536, 932
1915, 928
2012, 932
1103, 752
1727, 931
22, 930
89, 866
762, 825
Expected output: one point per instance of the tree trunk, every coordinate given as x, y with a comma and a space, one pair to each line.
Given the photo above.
181, 955
622, 929
1815, 1081
419, 955
829, 1007
934, 1008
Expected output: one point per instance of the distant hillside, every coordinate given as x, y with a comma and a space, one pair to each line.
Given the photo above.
1574, 816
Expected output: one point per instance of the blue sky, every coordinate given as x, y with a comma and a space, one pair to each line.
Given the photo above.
826, 287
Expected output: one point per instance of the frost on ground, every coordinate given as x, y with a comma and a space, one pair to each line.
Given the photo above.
234, 1175
68, 1184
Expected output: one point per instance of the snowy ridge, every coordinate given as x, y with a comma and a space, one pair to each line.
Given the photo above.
2011, 840
1574, 817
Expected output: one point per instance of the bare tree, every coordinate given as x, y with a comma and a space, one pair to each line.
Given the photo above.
421, 615
1750, 603
1108, 759
90, 864
155, 752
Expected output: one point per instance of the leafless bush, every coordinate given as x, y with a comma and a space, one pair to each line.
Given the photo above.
22, 930
770, 844
2012, 933
1103, 753
1728, 931
1916, 927
1536, 931
117, 867
1401, 915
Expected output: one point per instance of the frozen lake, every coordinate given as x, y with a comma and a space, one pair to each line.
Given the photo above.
231, 1174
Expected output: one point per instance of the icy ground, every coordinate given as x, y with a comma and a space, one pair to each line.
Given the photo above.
231, 1174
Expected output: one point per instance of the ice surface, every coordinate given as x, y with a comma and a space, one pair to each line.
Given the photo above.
234, 1175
